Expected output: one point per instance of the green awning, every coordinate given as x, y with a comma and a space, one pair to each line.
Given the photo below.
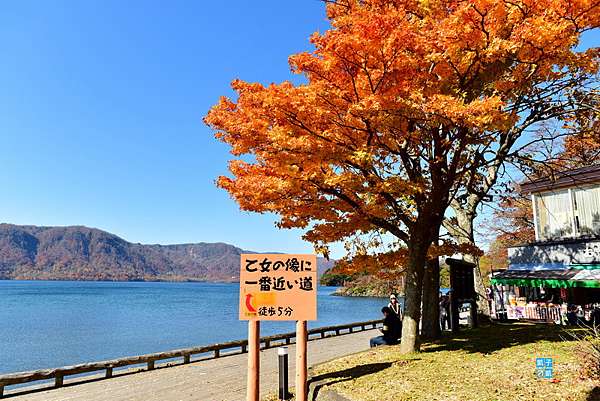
584, 267
565, 278
548, 283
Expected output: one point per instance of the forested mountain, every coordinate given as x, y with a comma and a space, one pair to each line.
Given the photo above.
82, 253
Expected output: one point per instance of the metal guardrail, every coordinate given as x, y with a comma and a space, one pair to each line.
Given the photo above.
58, 374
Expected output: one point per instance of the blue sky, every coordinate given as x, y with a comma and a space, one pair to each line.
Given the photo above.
101, 110
102, 105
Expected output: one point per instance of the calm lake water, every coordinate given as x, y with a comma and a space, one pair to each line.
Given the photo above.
45, 324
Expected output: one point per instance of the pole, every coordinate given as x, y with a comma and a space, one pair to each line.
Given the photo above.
282, 353
301, 365
454, 314
253, 360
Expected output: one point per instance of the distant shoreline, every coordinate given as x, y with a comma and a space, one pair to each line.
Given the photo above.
66, 253
136, 281
75, 280
381, 296
362, 292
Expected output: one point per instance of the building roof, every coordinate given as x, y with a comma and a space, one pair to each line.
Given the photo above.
564, 179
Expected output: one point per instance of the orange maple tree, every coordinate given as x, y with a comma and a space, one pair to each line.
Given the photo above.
399, 98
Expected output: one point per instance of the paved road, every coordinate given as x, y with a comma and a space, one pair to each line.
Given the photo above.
222, 379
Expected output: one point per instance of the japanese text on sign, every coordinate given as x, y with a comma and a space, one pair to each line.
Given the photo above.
278, 287
543, 368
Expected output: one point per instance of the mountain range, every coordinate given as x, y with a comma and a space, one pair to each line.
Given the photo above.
83, 253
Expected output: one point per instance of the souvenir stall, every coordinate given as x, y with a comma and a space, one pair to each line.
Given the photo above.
551, 296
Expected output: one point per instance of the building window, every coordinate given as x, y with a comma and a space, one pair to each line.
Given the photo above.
554, 215
587, 203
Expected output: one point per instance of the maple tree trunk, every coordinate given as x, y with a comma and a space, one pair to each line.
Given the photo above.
430, 326
467, 236
413, 286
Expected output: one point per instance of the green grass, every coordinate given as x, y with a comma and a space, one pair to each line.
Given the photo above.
495, 362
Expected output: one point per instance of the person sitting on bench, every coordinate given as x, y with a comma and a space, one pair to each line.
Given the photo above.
392, 329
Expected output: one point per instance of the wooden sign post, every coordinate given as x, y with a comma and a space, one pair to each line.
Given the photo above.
253, 393
301, 365
277, 287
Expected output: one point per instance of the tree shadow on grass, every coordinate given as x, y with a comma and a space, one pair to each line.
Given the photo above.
594, 395
494, 337
325, 379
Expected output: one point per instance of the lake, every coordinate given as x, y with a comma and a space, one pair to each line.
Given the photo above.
46, 324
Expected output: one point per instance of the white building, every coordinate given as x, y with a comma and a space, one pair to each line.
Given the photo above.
563, 265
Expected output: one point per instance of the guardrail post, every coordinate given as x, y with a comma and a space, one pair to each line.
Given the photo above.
350, 329
337, 332
244, 349
282, 353
58, 380
109, 372
150, 365
267, 344
1, 391
288, 340
217, 353
186, 358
